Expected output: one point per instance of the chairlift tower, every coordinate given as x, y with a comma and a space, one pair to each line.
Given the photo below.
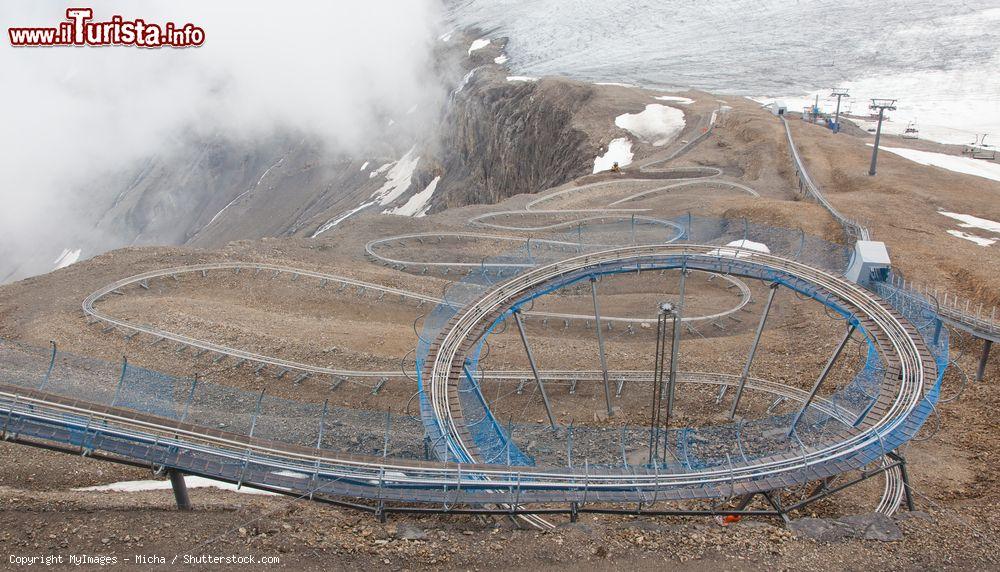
839, 93
881, 105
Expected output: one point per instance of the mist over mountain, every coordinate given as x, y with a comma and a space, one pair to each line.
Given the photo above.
105, 147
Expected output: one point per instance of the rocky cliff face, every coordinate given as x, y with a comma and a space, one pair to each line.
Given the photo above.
502, 138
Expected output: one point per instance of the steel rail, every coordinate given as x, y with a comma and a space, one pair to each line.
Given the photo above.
279, 456
549, 195
897, 339
89, 309
730, 184
850, 226
592, 215
978, 326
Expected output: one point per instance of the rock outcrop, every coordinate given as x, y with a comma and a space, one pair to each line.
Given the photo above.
502, 138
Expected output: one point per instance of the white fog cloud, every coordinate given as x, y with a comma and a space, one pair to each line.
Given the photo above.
333, 70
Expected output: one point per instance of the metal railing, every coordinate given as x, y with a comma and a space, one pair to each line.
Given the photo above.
853, 229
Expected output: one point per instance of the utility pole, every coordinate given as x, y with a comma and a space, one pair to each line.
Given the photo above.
839, 93
881, 105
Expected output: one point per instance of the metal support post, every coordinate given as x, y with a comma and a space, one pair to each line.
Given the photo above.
534, 368
906, 480
569, 445
838, 93
821, 378
319, 446
600, 346
180, 489
385, 442
253, 427
52, 364
775, 503
657, 405
675, 347
981, 370
753, 351
121, 381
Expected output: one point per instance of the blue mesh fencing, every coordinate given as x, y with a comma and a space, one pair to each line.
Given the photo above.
687, 449
499, 442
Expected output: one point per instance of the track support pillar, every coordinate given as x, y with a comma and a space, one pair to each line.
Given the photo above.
180, 490
753, 352
675, 347
776, 505
908, 495
600, 346
673, 312
534, 368
981, 370
821, 378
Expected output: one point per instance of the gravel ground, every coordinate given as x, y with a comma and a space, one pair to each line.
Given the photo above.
952, 473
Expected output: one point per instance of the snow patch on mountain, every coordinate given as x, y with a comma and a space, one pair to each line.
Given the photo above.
738, 249
478, 44
340, 218
657, 124
67, 257
619, 151
981, 241
397, 179
964, 165
465, 80
419, 203
675, 99
155, 485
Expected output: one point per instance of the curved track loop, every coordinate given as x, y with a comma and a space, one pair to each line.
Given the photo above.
728, 184
143, 279
906, 366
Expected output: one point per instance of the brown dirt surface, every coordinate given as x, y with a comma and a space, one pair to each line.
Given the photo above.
953, 473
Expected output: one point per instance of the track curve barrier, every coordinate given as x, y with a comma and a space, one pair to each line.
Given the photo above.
464, 429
